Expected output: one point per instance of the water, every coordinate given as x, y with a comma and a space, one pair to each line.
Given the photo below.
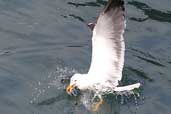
39, 36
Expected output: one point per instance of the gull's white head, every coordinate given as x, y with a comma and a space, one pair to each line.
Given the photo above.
78, 80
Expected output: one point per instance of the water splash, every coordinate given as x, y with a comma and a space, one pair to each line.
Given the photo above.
55, 81
59, 79
90, 98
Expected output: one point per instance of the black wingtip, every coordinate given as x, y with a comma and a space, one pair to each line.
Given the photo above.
91, 26
113, 4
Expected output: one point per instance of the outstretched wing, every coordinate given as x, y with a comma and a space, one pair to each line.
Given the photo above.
108, 43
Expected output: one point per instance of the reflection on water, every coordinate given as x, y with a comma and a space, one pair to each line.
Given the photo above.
96, 3
84, 4
138, 19
147, 57
153, 14
77, 17
38, 36
139, 73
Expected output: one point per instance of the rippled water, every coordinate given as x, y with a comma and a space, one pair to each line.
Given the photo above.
38, 38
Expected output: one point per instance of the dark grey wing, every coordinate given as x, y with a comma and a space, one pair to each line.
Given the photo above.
108, 43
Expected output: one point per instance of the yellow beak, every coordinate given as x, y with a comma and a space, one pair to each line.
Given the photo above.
70, 88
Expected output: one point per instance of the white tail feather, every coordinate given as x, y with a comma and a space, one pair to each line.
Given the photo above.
127, 88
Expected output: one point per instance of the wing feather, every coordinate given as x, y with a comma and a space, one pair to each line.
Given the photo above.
108, 45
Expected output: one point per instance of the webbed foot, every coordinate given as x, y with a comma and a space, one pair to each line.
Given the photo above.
97, 105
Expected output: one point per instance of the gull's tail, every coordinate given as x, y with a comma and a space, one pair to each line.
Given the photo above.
127, 88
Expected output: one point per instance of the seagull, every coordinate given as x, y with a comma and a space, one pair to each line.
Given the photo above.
108, 50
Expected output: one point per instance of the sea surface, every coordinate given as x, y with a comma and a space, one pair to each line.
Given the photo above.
43, 41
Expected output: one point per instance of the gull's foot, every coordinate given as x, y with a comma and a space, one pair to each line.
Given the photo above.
97, 105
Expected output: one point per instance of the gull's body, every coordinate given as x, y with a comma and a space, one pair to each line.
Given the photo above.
108, 50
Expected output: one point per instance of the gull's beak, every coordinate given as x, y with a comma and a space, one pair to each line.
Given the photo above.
70, 88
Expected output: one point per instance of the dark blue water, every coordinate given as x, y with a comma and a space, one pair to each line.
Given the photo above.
41, 41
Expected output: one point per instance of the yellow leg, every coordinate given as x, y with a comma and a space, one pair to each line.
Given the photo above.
97, 105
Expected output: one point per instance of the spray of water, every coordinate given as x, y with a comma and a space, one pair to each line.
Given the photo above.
59, 79
90, 98
55, 81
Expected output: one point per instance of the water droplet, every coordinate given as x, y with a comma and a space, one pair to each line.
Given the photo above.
39, 83
122, 99
31, 102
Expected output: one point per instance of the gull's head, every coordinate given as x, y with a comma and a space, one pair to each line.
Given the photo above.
77, 81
